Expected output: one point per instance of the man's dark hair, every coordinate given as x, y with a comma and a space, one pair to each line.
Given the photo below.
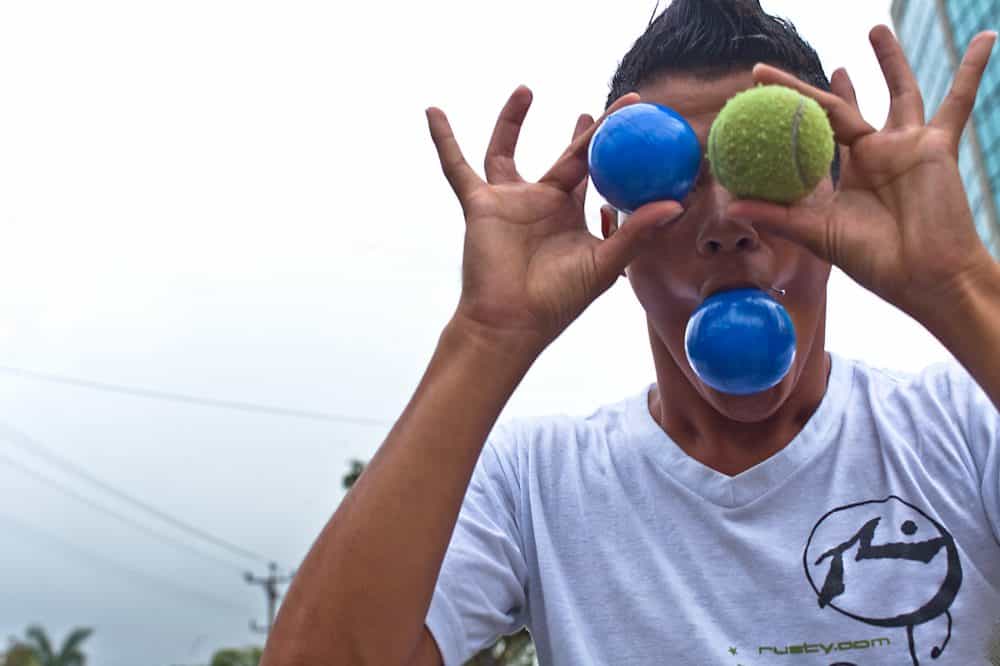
712, 38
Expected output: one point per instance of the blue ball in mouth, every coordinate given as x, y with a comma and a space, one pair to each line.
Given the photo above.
740, 341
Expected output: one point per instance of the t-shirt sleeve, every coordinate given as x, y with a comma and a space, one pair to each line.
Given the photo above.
480, 592
980, 424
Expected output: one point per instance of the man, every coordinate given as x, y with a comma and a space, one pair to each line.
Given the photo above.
843, 516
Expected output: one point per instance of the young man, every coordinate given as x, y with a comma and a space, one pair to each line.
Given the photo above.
845, 516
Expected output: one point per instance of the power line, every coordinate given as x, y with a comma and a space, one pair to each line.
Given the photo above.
35, 448
145, 529
155, 394
94, 557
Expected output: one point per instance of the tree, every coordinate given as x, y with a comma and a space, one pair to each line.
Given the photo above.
353, 473
38, 645
514, 650
231, 657
19, 654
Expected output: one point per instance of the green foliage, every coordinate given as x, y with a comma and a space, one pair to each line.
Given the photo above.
37, 649
353, 473
514, 650
19, 654
233, 657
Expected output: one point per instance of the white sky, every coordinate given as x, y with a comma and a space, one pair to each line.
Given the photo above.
240, 200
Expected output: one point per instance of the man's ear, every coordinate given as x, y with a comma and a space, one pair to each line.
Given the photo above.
609, 221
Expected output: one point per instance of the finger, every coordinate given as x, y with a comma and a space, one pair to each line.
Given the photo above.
500, 152
842, 87
956, 108
572, 164
790, 222
906, 104
615, 253
846, 120
582, 124
461, 177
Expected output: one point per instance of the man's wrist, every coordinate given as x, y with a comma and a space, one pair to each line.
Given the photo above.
968, 312
516, 347
476, 368
969, 327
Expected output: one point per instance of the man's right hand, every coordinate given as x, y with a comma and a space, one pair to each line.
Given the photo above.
362, 594
530, 266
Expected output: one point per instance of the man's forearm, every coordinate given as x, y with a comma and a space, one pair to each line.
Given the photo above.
363, 591
968, 324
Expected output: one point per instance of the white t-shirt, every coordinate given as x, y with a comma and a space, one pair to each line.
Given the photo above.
872, 538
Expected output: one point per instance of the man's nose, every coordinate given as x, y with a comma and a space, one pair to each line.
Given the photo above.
720, 233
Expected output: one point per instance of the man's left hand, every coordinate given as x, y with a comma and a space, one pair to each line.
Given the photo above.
899, 221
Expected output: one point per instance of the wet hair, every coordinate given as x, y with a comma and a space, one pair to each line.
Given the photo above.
711, 38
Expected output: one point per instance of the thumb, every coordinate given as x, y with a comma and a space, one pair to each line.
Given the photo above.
802, 224
614, 254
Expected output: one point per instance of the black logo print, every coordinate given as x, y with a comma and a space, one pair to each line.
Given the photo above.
885, 563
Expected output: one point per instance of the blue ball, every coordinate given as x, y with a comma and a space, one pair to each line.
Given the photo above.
643, 153
740, 341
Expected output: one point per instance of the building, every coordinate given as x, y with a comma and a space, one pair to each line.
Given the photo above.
935, 34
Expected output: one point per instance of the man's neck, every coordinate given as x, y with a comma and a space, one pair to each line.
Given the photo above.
723, 443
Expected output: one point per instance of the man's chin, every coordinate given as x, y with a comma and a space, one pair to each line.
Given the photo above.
751, 408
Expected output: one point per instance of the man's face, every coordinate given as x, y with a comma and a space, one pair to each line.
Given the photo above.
704, 251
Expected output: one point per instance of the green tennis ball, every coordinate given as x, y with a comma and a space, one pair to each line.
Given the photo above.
772, 143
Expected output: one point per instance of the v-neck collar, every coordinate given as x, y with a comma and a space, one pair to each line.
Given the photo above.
745, 487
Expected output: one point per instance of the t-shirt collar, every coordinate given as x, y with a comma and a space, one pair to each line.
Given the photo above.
732, 491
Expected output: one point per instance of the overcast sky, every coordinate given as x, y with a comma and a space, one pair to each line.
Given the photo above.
240, 201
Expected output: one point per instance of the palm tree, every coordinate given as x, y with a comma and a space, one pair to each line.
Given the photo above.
19, 654
68, 655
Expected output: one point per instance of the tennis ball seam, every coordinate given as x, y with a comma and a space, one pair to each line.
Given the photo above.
796, 121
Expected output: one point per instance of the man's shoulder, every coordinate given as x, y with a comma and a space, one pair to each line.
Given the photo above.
941, 379
564, 431
941, 397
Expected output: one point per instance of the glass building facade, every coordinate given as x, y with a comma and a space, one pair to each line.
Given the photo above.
935, 34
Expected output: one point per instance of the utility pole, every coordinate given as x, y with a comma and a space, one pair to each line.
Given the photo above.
270, 584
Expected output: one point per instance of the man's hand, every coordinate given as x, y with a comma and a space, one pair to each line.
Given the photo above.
899, 222
530, 266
